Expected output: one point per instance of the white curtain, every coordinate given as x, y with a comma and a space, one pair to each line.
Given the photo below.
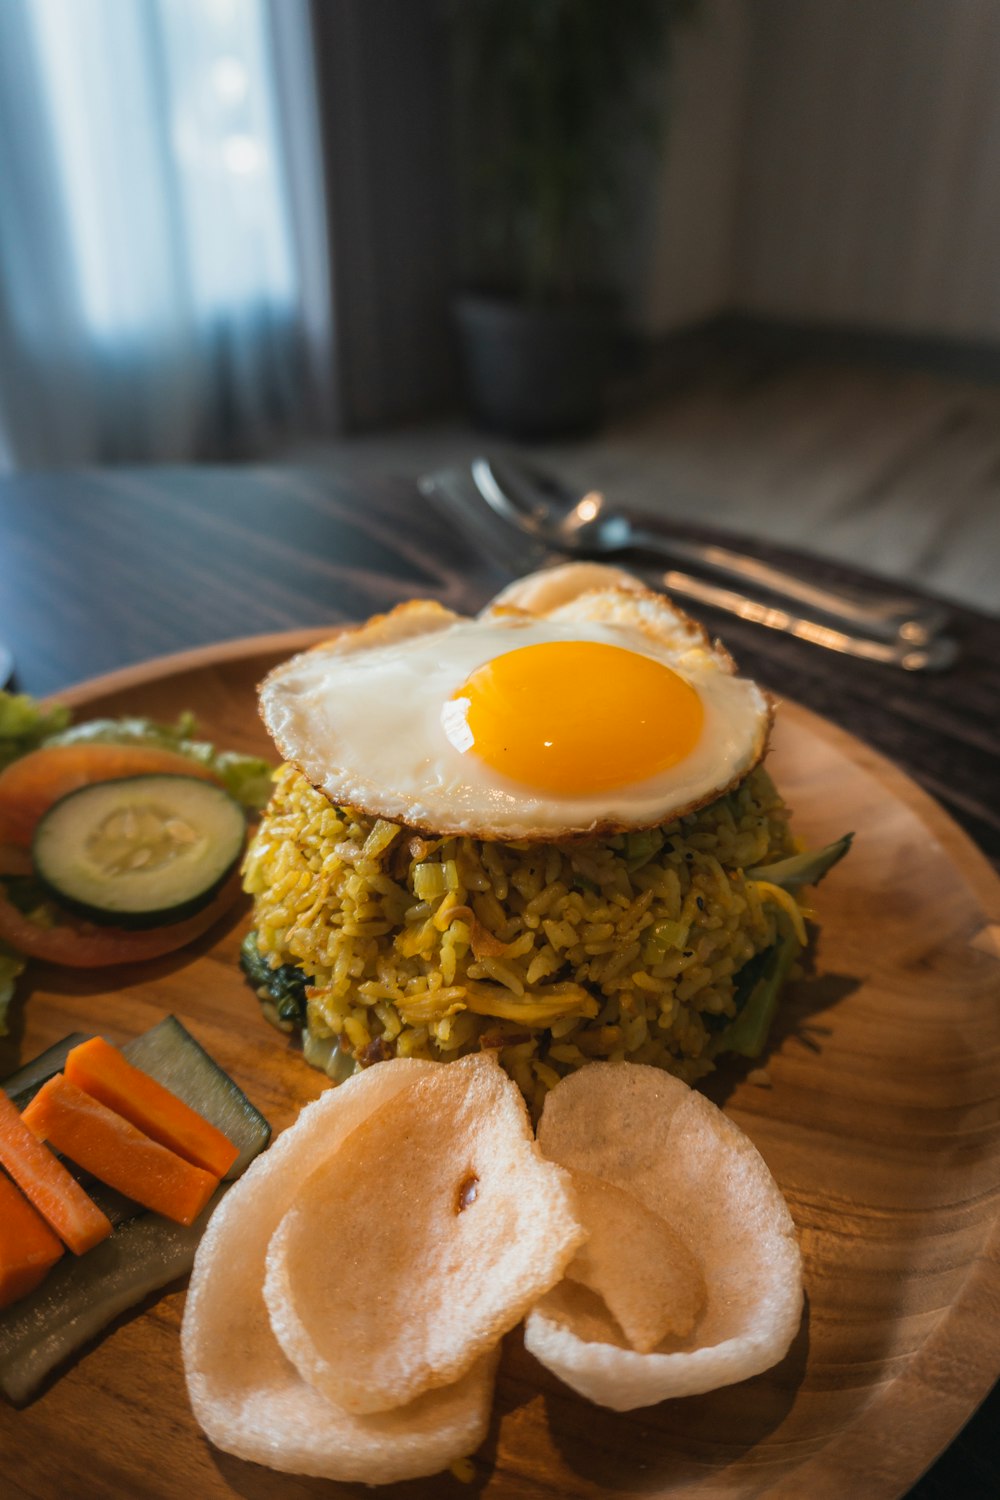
164, 268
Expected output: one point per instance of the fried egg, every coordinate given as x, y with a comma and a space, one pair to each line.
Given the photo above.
600, 712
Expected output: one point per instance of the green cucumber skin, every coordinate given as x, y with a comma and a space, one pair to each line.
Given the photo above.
170, 1054
138, 921
131, 921
79, 1298
22, 1086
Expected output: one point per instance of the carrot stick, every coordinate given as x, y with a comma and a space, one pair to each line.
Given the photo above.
28, 1248
58, 1197
105, 1074
115, 1152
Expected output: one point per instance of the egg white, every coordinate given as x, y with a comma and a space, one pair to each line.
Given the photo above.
361, 716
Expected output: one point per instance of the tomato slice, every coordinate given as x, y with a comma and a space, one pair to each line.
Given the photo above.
83, 945
30, 785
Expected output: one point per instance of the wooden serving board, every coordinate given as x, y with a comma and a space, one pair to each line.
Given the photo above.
880, 1121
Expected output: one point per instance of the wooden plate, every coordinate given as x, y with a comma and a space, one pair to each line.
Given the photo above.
881, 1123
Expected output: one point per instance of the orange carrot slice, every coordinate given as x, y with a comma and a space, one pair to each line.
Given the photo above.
28, 1248
103, 1073
58, 1197
30, 785
115, 1152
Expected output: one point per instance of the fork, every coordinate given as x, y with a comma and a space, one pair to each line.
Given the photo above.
454, 493
542, 506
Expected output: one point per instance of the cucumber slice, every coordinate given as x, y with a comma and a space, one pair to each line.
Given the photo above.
79, 1297
23, 1085
141, 851
170, 1054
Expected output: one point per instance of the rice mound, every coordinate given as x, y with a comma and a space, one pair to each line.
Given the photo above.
551, 954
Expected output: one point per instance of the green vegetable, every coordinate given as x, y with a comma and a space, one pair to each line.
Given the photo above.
326, 1054
23, 1085
664, 935
641, 846
80, 1296
378, 841
285, 986
758, 988
433, 878
169, 1053
245, 777
803, 869
24, 724
140, 851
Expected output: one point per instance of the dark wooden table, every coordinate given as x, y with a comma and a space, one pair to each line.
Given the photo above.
101, 569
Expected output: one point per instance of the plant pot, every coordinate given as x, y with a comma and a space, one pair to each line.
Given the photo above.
535, 371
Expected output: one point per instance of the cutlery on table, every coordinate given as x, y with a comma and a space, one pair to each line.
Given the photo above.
549, 510
503, 536
933, 656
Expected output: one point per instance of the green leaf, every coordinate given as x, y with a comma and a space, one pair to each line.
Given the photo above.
25, 723
803, 869
759, 982
245, 777
285, 985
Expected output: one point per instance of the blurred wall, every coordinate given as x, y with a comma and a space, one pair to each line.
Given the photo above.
689, 273
833, 161
383, 72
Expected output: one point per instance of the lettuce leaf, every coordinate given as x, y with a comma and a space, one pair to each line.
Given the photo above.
245, 777
24, 724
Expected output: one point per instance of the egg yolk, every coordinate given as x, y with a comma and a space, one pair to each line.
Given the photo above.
574, 717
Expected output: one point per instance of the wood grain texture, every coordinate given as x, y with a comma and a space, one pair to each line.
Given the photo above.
102, 569
881, 1123
830, 162
867, 188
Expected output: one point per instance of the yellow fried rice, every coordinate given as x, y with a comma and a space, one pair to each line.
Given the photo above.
551, 953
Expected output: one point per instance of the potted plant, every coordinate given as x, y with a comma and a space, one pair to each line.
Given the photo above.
556, 102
